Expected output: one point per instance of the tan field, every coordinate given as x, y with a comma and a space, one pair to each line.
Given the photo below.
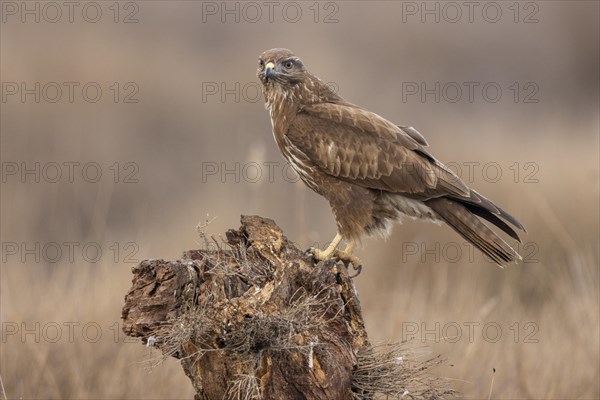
179, 136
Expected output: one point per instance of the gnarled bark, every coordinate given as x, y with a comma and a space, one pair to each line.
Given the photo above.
257, 320
260, 320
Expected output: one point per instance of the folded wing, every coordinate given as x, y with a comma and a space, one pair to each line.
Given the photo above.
360, 147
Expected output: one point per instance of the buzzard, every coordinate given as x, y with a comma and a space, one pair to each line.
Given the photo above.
372, 171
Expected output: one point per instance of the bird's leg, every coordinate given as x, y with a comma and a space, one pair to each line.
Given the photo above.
343, 255
347, 257
326, 254
350, 248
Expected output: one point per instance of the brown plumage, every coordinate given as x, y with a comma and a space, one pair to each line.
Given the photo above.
371, 170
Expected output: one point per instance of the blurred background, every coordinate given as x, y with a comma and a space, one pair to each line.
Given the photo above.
124, 125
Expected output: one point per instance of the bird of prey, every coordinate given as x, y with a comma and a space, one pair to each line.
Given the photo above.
372, 171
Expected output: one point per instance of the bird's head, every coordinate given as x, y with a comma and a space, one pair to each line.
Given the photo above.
285, 80
280, 67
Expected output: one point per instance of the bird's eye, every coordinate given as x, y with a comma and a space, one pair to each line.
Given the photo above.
261, 62
288, 64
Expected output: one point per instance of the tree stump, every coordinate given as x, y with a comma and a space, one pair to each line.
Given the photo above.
258, 319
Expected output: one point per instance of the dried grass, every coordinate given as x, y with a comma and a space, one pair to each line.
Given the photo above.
398, 370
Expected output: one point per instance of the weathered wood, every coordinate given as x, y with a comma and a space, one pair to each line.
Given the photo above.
256, 319
259, 319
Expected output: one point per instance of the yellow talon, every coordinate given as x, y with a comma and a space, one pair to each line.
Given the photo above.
343, 255
347, 258
327, 253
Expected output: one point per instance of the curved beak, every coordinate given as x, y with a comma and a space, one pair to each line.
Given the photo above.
269, 70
